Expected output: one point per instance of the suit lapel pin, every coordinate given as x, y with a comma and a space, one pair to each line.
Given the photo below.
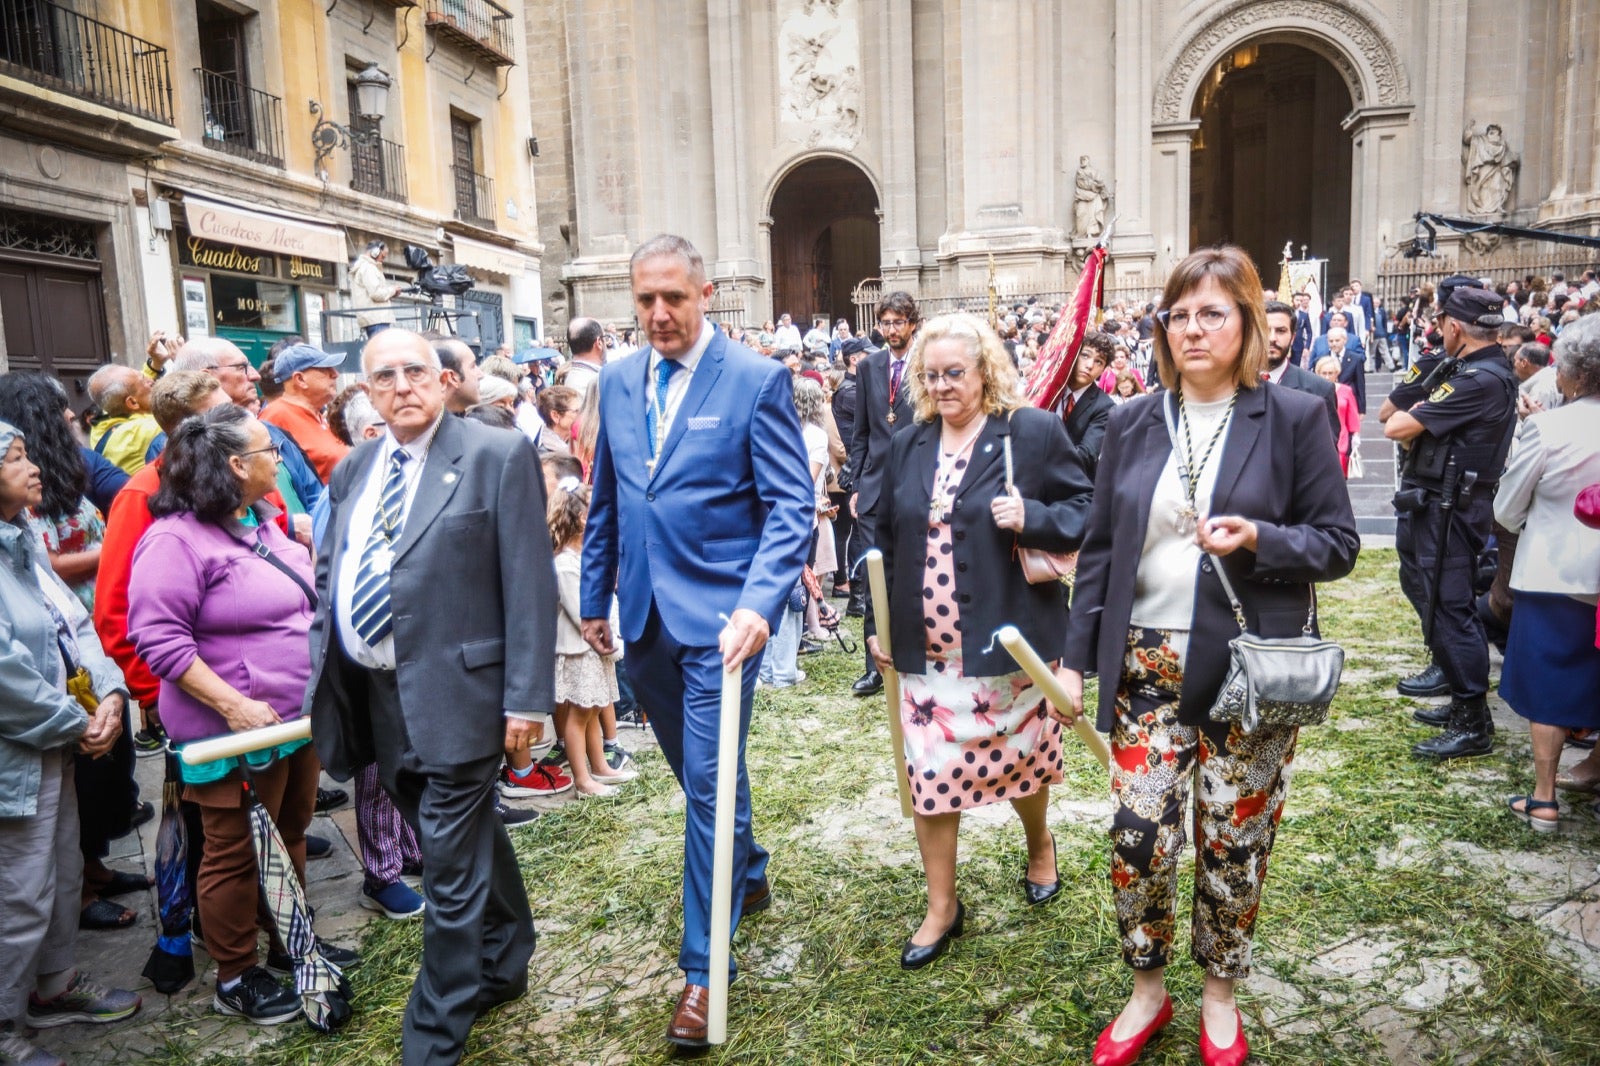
987, 448
450, 478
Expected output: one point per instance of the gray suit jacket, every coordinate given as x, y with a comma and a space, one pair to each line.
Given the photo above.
473, 593
1318, 386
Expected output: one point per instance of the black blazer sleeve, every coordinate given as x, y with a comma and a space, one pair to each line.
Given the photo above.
861, 412
1056, 491
1088, 429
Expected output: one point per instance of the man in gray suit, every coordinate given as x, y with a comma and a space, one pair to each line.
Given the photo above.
1281, 369
435, 696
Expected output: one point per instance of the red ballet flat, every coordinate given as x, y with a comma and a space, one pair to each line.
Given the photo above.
1110, 1052
1234, 1054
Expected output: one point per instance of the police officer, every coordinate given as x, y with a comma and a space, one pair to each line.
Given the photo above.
1458, 440
1410, 390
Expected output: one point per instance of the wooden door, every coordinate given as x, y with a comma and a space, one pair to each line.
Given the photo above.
54, 322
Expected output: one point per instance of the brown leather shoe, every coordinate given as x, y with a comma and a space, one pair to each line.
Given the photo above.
757, 899
688, 1025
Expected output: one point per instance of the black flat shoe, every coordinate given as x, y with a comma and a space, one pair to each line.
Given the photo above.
916, 956
1036, 893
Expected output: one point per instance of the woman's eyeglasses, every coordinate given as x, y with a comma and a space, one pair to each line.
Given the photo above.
1210, 319
952, 376
385, 378
277, 453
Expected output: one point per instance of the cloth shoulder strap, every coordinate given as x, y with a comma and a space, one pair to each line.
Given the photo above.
266, 553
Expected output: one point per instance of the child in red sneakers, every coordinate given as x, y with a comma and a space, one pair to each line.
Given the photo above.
586, 682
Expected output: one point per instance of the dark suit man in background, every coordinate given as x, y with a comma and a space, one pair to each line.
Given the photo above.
1304, 334
847, 543
883, 408
1085, 408
1352, 365
1281, 369
435, 697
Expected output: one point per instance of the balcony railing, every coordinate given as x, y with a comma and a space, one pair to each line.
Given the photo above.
54, 48
474, 196
240, 120
378, 167
482, 27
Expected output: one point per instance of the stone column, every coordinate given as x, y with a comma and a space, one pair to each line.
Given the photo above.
1441, 106
1133, 246
735, 263
898, 249
1381, 207
1169, 198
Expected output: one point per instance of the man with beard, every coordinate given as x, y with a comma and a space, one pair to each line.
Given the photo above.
883, 408
1281, 370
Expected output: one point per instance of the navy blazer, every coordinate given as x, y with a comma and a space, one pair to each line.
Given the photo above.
869, 448
990, 590
1318, 386
724, 518
1086, 425
1295, 494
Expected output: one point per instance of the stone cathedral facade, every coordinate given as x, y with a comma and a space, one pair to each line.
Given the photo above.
806, 145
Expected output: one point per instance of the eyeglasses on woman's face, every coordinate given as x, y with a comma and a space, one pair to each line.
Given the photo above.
952, 376
1211, 319
385, 378
277, 453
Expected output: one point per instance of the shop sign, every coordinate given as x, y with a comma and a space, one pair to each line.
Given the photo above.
196, 251
313, 271
268, 233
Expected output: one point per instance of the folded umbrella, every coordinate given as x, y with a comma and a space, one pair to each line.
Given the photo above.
171, 962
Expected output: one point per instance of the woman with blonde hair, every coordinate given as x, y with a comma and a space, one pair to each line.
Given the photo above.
956, 510
1216, 473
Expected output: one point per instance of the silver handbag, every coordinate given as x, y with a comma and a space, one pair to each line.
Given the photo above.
1280, 681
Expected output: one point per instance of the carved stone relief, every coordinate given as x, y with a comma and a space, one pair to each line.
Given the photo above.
1380, 66
819, 72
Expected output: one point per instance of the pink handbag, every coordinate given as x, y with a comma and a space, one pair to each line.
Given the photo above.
1038, 565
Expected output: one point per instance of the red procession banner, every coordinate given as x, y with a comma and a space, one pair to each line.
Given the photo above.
1049, 374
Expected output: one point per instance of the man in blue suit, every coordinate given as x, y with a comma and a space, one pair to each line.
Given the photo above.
700, 519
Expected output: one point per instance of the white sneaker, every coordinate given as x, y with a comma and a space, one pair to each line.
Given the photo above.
615, 777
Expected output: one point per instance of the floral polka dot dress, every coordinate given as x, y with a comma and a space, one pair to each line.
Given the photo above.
969, 740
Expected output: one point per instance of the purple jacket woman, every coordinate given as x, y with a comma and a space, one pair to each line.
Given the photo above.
200, 590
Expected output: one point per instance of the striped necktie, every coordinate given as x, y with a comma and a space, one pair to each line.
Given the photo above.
370, 611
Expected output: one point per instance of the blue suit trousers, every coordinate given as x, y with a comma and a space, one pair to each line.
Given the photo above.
680, 688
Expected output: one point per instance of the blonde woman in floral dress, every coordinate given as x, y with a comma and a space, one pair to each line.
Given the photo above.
976, 730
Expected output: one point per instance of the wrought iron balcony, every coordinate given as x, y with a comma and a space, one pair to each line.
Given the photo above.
474, 196
49, 46
482, 27
378, 167
240, 120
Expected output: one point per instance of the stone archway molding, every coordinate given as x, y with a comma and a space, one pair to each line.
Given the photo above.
1350, 34
800, 159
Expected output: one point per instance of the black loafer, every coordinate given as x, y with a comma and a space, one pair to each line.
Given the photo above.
916, 956
868, 684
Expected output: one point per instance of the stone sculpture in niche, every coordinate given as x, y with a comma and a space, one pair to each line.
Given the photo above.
1088, 201
1488, 169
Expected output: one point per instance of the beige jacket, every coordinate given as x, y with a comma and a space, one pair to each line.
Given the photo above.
368, 287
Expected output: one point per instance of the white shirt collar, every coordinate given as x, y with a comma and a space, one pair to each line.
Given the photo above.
1078, 394
1276, 376
418, 446
690, 359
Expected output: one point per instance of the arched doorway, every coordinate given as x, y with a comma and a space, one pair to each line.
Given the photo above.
824, 239
1270, 163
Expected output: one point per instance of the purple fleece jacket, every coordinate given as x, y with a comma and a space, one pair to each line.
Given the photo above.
199, 590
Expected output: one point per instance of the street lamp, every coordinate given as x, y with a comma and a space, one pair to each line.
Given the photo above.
372, 101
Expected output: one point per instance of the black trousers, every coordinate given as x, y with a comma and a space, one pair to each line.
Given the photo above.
866, 525
477, 931
1458, 641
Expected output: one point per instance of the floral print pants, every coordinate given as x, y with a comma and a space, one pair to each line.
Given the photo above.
1239, 796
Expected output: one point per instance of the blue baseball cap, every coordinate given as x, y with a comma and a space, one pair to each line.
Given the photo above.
298, 357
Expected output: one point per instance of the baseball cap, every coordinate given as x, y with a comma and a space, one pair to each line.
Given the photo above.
1474, 306
298, 357
854, 346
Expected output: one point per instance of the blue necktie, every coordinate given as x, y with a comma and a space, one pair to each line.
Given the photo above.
658, 407
370, 610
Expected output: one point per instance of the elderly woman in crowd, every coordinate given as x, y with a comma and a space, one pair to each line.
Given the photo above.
976, 731
1552, 667
51, 671
1327, 368
220, 606
1217, 470
71, 529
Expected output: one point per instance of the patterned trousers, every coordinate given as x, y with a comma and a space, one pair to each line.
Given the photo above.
388, 844
1239, 796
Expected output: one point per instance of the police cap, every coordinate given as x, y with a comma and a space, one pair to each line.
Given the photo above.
1452, 283
1474, 306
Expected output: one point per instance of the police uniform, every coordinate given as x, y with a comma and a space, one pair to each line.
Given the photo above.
1467, 420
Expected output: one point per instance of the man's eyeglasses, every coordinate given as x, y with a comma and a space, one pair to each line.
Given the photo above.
952, 376
385, 378
245, 366
277, 453
893, 323
1210, 319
